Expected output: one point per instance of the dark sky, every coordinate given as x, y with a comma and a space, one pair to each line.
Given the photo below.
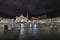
12, 8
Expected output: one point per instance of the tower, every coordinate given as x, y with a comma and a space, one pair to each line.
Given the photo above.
27, 15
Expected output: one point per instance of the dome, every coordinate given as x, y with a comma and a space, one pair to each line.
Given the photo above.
21, 15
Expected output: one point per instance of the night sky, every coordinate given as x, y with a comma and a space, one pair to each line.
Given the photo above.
13, 8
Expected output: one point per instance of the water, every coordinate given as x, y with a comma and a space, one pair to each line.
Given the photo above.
38, 33
31, 33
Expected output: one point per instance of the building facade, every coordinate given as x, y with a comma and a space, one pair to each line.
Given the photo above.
21, 19
6, 23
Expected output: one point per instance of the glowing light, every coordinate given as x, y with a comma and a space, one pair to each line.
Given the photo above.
42, 21
29, 21
22, 20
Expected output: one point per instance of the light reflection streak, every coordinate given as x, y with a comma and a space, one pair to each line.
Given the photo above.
34, 29
22, 25
30, 29
30, 25
35, 26
22, 31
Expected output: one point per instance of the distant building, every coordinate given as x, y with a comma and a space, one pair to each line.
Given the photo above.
48, 20
21, 19
34, 18
6, 23
52, 20
5, 20
39, 17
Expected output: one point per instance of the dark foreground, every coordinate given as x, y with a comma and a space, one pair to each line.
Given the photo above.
31, 34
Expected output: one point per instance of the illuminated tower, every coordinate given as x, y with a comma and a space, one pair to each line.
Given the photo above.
27, 17
27, 14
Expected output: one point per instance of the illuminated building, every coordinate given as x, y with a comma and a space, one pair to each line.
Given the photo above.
39, 17
21, 19
5, 22
52, 20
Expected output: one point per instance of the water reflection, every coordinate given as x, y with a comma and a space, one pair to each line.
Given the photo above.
30, 25
21, 32
30, 28
22, 25
35, 25
35, 29
22, 29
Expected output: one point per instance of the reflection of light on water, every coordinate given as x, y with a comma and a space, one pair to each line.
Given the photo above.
30, 29
35, 29
22, 31
22, 28
30, 25
35, 26
22, 25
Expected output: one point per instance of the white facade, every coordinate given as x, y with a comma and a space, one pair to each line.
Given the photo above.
39, 21
5, 20
21, 19
49, 20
